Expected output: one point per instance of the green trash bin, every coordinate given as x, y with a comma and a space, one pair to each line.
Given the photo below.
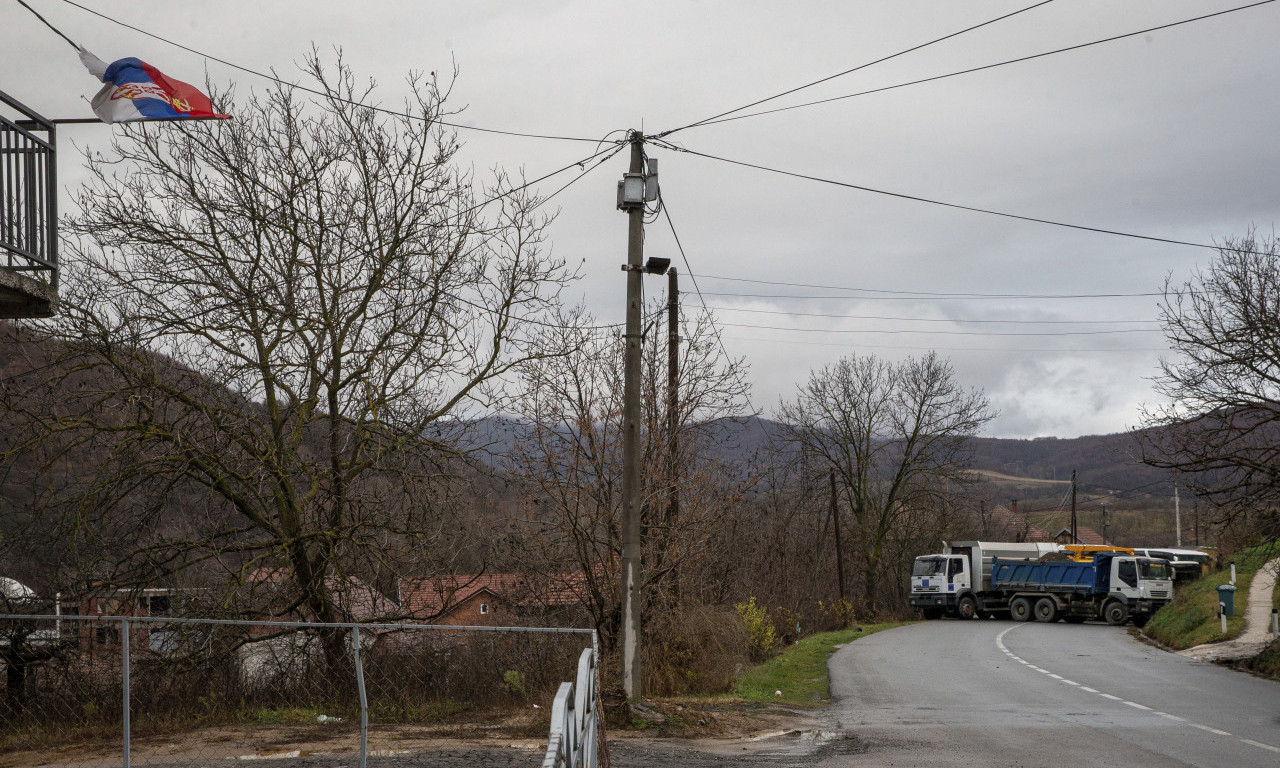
1227, 599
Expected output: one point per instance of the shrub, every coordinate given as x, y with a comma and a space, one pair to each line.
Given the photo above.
761, 635
695, 648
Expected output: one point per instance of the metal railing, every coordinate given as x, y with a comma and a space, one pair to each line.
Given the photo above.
575, 720
28, 193
98, 684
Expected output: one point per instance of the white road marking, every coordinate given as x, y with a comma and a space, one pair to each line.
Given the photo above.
1207, 728
1134, 704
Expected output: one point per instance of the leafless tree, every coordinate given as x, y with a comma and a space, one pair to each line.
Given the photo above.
895, 435
274, 324
1221, 427
570, 463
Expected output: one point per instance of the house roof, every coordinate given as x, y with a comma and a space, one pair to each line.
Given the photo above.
1083, 536
440, 594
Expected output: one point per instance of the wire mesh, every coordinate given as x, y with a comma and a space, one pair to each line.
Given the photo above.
199, 692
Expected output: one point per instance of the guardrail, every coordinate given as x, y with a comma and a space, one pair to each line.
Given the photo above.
575, 720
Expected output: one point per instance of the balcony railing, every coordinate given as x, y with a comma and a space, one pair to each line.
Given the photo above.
28, 212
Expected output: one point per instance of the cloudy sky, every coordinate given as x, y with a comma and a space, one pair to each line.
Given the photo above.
1170, 134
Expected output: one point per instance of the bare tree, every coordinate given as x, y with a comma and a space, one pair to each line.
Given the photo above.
272, 326
1221, 428
570, 462
895, 434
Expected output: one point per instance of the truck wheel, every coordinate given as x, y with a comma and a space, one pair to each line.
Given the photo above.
1020, 609
967, 608
1116, 613
1046, 610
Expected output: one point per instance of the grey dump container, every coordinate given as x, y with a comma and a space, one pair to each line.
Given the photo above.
1227, 599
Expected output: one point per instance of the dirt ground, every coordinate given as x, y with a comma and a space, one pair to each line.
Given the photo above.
702, 734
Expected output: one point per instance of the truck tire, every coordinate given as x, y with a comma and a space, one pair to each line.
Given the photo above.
1020, 609
967, 608
1046, 610
1116, 613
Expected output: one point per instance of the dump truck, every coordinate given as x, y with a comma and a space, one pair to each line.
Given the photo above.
939, 582
973, 578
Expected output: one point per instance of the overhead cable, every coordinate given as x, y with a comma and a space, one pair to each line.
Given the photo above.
716, 118
930, 319
925, 294
890, 331
943, 203
971, 70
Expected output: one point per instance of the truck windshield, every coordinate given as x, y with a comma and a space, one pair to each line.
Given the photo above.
1154, 570
929, 566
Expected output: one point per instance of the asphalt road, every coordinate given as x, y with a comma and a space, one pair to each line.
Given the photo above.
996, 693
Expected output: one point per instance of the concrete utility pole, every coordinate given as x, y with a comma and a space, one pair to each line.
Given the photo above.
1177, 512
631, 437
673, 414
835, 520
1075, 539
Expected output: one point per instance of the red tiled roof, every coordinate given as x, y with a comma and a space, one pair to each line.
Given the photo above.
431, 597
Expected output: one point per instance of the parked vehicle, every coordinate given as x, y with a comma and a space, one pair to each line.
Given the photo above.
1114, 587
938, 582
1188, 564
974, 578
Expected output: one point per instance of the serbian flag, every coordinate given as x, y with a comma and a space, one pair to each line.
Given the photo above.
135, 90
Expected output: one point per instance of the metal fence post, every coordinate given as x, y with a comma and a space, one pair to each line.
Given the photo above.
364, 702
124, 662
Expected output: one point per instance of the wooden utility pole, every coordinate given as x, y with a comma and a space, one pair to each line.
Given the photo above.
1075, 539
631, 543
1104, 522
835, 519
673, 416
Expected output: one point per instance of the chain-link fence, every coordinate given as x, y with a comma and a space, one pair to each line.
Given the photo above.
97, 691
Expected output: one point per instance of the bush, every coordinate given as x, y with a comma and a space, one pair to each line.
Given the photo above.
697, 649
761, 635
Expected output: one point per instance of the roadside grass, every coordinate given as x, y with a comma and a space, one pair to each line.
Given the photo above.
1192, 618
1266, 663
800, 671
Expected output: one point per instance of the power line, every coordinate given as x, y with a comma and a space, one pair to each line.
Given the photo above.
846, 297
943, 333
928, 319
725, 118
942, 203
928, 294
715, 327
313, 91
1010, 350
716, 118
